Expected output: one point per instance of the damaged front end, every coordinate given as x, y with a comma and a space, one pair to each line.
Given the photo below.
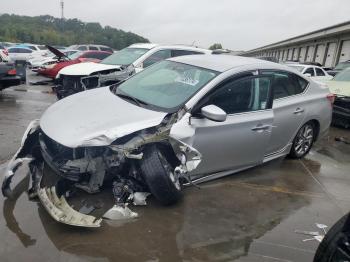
119, 165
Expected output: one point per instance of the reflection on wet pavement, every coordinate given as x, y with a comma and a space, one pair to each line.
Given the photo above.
249, 216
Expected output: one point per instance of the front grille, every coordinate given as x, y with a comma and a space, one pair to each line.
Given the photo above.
60, 152
71, 82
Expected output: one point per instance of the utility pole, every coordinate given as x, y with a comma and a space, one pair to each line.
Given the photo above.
62, 9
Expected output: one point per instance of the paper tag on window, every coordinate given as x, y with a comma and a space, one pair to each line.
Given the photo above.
186, 80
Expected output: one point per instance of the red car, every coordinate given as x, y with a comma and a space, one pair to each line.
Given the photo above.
52, 69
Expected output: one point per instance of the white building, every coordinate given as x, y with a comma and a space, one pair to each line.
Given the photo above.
327, 46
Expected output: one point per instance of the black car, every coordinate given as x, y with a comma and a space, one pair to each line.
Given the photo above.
341, 66
335, 245
8, 75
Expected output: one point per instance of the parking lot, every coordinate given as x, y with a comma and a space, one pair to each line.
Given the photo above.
249, 216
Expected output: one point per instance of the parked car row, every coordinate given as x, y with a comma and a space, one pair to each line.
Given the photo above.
315, 72
117, 67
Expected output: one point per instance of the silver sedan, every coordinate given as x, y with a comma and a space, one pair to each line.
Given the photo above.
182, 121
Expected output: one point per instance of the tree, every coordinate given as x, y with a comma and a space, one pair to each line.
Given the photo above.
54, 31
215, 46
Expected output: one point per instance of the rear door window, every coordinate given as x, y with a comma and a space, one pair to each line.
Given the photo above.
286, 84
93, 48
310, 71
82, 48
319, 72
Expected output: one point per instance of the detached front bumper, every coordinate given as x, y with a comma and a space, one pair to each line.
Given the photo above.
24, 153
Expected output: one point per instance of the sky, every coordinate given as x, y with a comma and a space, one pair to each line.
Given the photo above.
236, 24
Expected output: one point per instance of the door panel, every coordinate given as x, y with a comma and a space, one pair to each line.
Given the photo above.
233, 144
289, 108
289, 114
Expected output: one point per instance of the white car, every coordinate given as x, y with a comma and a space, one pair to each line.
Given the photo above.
314, 72
117, 67
22, 53
41, 49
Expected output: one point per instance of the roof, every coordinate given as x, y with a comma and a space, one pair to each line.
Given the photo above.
300, 64
219, 63
144, 45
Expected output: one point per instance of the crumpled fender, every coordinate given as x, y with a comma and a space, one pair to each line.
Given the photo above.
22, 154
192, 156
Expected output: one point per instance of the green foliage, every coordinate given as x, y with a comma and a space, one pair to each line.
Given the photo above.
54, 31
215, 46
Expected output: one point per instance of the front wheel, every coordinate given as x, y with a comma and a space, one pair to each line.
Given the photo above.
303, 141
160, 177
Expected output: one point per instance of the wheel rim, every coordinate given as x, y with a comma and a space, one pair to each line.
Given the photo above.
304, 140
169, 170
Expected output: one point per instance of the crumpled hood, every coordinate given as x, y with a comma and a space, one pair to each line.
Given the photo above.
95, 118
339, 87
84, 69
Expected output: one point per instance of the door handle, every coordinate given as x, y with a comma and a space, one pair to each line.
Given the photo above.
261, 127
298, 111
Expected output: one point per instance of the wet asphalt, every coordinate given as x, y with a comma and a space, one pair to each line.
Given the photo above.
249, 216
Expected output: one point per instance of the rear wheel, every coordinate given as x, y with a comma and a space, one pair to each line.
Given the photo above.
303, 141
160, 177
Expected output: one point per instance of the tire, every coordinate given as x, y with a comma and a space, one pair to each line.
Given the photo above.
159, 176
303, 141
333, 247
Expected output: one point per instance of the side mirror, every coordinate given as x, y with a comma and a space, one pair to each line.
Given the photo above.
214, 113
307, 74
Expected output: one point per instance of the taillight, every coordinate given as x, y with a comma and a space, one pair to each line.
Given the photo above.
5, 52
331, 98
12, 72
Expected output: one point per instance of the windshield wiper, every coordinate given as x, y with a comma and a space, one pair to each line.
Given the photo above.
137, 101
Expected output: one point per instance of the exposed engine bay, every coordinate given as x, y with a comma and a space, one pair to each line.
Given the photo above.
149, 161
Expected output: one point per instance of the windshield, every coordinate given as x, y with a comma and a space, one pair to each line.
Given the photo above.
125, 56
299, 68
75, 55
166, 85
342, 76
342, 66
